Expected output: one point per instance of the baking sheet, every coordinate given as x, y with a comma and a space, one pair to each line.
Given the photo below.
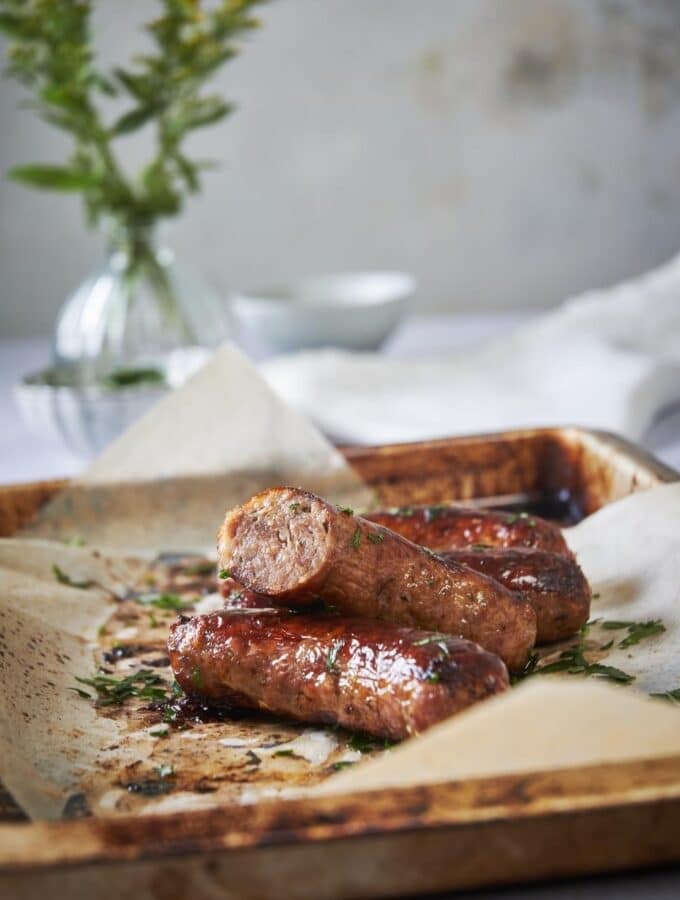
60, 756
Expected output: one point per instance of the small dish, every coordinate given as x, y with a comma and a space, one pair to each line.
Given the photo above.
357, 311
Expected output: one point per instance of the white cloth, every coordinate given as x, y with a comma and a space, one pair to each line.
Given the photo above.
607, 359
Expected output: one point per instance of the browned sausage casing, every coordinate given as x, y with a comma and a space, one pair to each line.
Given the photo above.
460, 527
295, 547
554, 585
364, 675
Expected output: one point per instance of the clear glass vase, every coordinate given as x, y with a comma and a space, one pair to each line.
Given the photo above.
134, 329
141, 317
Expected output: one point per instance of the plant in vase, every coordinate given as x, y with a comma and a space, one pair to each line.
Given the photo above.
142, 319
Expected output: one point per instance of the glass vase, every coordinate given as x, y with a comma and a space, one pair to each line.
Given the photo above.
141, 318
140, 325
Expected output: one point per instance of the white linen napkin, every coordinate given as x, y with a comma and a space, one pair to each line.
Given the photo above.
607, 359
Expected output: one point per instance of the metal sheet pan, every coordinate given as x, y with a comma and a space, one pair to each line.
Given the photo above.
455, 835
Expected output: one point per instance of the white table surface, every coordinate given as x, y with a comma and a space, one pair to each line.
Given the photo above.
27, 457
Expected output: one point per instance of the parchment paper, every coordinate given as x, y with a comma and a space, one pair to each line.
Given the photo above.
165, 485
167, 482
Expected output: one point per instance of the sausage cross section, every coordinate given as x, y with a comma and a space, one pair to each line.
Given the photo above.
365, 675
295, 547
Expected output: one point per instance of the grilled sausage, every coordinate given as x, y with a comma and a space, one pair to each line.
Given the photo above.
460, 527
294, 547
554, 585
364, 675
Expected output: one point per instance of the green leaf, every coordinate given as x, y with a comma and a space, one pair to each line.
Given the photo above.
165, 601
206, 112
57, 178
133, 120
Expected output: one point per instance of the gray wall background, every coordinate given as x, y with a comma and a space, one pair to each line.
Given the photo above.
508, 153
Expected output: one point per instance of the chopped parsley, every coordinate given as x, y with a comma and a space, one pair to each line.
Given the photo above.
356, 538
294, 507
224, 573
672, 696
63, 578
284, 753
159, 733
165, 601
342, 764
375, 537
200, 568
332, 657
346, 510
637, 631
197, 677
407, 511
574, 662
434, 677
112, 691
513, 518
481, 547
365, 743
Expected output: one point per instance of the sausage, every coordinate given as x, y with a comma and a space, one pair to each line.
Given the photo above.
239, 597
460, 527
554, 585
295, 547
365, 675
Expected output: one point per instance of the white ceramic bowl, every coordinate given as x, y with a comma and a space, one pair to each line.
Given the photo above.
355, 310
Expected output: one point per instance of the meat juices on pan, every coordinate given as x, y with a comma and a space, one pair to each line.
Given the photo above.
460, 527
554, 585
295, 547
364, 675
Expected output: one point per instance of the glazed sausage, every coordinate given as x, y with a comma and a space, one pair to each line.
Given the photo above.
295, 547
460, 527
364, 675
554, 585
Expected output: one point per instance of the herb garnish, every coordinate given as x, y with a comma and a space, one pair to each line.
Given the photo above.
513, 518
407, 511
365, 743
637, 631
224, 573
294, 507
346, 510
63, 578
672, 696
332, 656
201, 568
481, 546
573, 662
284, 753
112, 691
197, 677
342, 764
433, 677
356, 538
375, 538
165, 601
160, 733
